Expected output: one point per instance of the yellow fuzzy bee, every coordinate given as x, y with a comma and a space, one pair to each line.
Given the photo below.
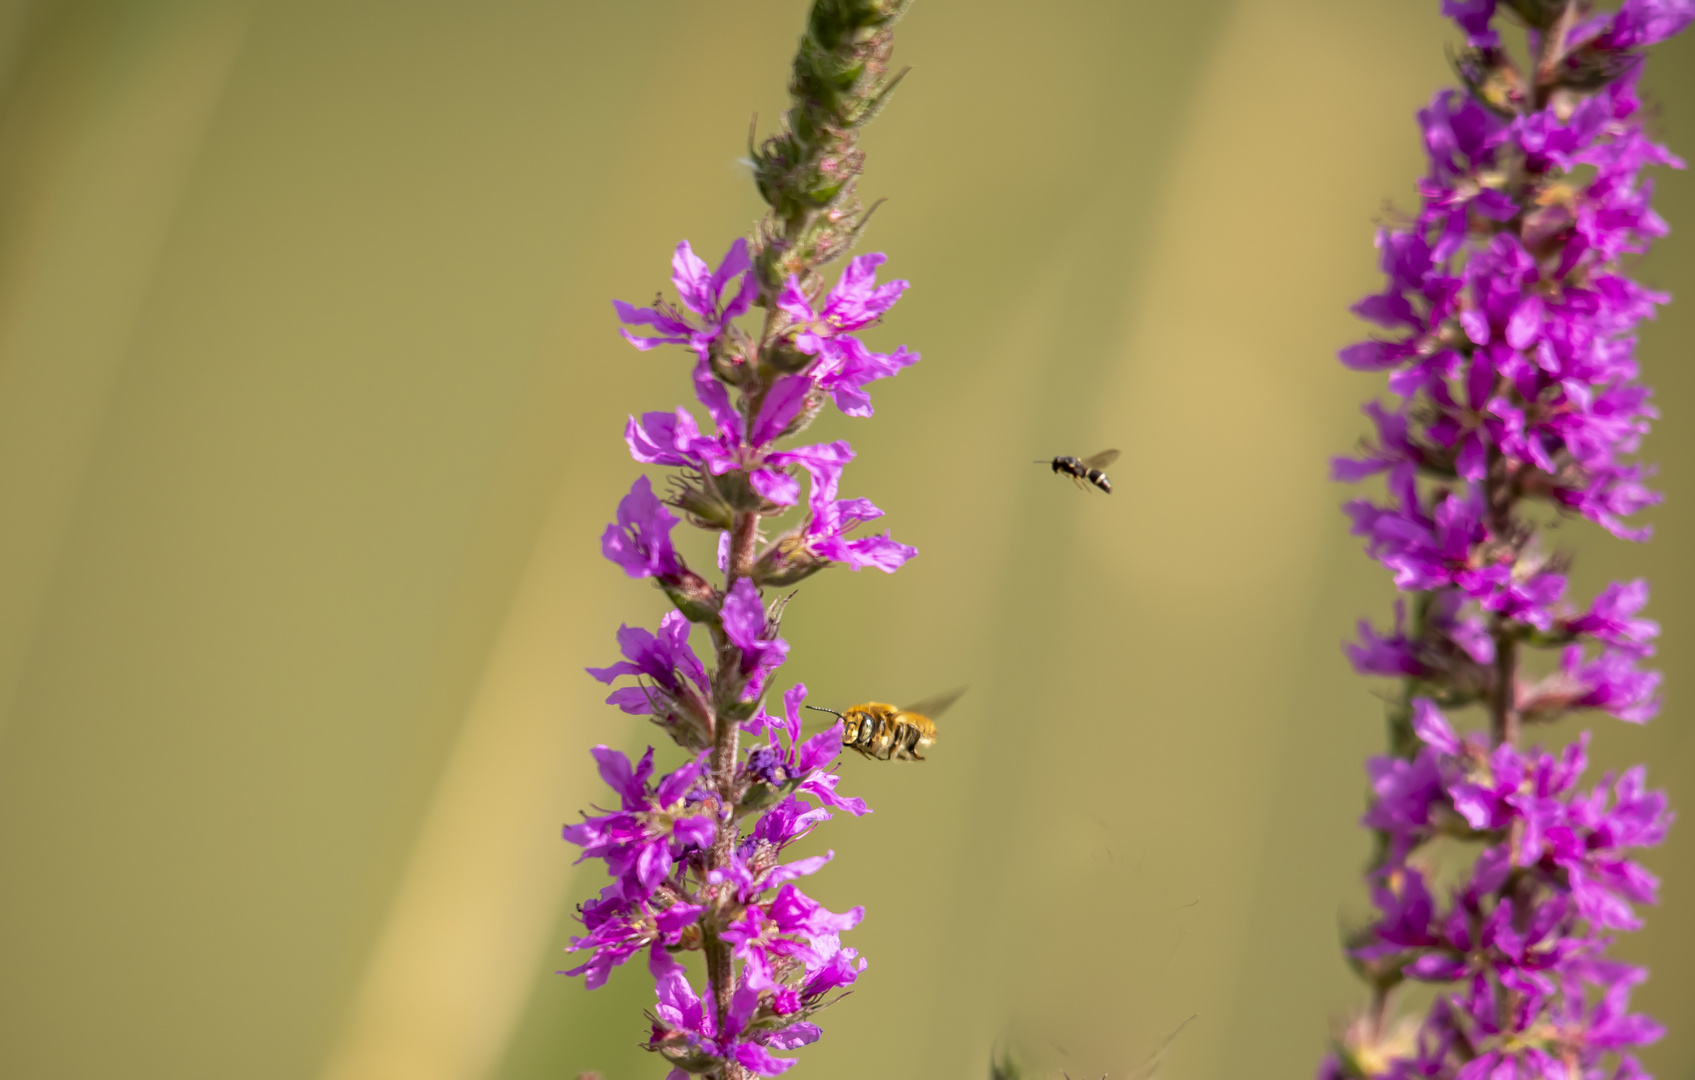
881, 731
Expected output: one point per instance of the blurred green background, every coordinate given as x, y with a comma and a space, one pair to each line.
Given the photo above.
310, 402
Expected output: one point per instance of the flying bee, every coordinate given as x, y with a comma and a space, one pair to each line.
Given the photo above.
1087, 469
883, 732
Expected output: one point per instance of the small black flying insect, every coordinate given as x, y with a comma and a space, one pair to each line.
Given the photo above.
1087, 469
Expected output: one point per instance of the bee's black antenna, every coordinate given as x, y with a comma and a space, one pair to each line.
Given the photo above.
832, 712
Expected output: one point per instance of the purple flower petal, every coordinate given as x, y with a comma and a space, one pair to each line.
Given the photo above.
755, 1058
779, 487
1432, 727
782, 404
743, 616
640, 540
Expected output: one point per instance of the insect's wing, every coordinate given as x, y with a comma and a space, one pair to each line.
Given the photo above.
933, 707
1101, 460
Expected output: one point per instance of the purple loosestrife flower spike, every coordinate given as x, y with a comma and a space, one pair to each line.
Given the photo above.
1507, 329
697, 858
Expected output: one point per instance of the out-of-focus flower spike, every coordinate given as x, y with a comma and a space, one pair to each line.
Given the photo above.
1508, 328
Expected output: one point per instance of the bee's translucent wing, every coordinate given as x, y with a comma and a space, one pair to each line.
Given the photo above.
1101, 460
937, 705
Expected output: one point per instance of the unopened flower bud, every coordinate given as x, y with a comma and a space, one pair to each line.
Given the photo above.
728, 363
784, 358
788, 561
739, 710
758, 796
700, 498
677, 1048
693, 595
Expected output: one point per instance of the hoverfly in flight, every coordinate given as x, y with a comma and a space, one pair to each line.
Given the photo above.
1088, 468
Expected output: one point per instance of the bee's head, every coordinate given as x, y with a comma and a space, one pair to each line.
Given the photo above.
850, 723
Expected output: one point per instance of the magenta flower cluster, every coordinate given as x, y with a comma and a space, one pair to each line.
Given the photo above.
1508, 334
697, 858
835, 363
1523, 936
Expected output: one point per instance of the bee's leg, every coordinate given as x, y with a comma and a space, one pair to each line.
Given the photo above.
906, 738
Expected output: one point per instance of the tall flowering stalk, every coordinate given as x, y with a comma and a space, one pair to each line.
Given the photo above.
696, 856
1508, 335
